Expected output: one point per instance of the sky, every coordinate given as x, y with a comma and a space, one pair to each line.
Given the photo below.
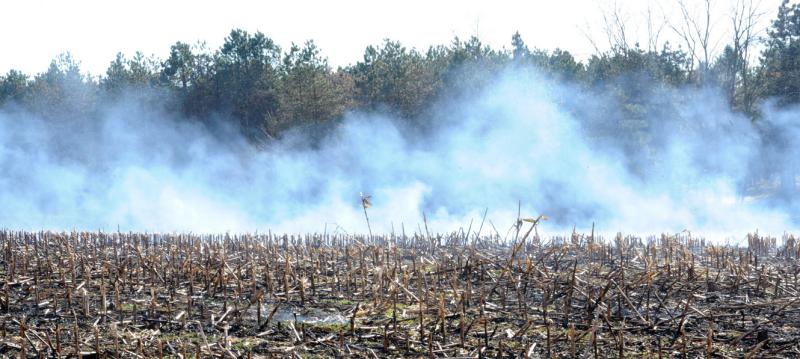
34, 32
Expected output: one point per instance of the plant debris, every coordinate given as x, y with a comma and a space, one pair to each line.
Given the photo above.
143, 295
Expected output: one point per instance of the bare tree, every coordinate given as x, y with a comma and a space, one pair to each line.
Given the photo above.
695, 30
745, 19
654, 31
615, 28
621, 31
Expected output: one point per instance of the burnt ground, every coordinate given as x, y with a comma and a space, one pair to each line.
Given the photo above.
184, 295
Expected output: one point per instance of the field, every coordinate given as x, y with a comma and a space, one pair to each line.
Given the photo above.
184, 295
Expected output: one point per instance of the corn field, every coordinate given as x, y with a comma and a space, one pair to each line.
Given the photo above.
138, 295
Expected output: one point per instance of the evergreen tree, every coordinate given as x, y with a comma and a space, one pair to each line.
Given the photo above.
781, 58
245, 80
13, 87
308, 89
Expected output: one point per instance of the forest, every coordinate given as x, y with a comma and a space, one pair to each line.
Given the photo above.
264, 91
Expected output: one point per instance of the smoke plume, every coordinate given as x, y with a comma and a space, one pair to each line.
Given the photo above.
557, 149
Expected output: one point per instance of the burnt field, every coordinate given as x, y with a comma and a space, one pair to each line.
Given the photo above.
185, 295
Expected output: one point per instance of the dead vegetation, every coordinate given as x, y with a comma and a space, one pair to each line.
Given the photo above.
184, 295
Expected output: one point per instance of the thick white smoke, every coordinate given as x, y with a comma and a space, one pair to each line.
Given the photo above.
524, 139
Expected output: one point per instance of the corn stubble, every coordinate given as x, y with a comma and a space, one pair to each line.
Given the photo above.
452, 295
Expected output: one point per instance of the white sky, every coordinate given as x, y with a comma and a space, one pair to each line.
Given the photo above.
33, 32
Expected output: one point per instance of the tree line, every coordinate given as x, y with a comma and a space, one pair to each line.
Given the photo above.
264, 90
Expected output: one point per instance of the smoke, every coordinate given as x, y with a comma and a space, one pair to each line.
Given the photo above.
685, 162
